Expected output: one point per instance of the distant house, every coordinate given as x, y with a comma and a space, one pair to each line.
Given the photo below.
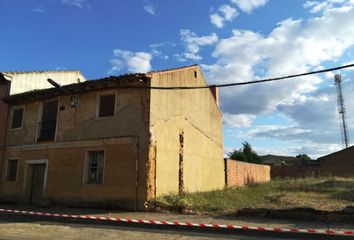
35, 80
339, 163
125, 142
274, 160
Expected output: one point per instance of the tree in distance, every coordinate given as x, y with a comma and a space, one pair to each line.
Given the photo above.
303, 157
245, 154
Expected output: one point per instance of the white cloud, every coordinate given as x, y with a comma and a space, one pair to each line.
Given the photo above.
315, 121
159, 54
38, 10
217, 20
293, 46
149, 8
226, 13
248, 5
238, 121
316, 6
158, 49
229, 12
314, 150
77, 3
163, 44
327, 5
193, 44
138, 62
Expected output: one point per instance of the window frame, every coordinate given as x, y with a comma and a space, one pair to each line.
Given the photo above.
86, 166
12, 116
98, 104
7, 170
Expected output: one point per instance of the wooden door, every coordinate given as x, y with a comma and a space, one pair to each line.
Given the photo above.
37, 184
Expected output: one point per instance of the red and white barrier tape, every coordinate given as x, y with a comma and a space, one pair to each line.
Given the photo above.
176, 223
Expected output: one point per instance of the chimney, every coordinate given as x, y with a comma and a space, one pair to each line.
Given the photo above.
215, 91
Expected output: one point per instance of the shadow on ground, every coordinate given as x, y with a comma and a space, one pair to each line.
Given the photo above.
345, 216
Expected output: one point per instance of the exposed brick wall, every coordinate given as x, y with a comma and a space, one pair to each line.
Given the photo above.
239, 174
294, 171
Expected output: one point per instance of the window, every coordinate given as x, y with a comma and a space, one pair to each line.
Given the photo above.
94, 168
17, 116
107, 105
11, 172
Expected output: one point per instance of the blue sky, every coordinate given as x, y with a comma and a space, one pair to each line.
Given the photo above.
232, 40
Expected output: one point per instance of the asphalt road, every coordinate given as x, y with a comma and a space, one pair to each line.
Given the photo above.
18, 227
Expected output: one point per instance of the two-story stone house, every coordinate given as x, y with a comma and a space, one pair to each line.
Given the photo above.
113, 142
18, 82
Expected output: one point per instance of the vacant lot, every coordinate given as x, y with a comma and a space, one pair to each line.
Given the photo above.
318, 193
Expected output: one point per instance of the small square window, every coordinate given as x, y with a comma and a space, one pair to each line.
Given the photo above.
94, 168
11, 171
107, 105
17, 116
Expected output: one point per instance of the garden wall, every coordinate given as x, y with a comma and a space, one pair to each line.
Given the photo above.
295, 171
239, 173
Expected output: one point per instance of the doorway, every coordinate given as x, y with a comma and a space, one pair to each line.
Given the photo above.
37, 175
48, 124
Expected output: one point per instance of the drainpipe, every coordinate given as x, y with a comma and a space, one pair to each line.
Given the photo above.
137, 173
225, 172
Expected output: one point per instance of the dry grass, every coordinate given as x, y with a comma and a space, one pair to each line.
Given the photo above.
317, 193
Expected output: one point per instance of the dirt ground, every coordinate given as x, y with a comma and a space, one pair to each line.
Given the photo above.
18, 227
35, 231
230, 219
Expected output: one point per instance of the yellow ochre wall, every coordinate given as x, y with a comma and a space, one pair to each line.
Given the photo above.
64, 183
196, 114
79, 130
131, 118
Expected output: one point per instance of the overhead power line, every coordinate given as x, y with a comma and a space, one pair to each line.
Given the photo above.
256, 81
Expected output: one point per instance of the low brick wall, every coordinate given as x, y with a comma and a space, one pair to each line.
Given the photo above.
239, 174
294, 171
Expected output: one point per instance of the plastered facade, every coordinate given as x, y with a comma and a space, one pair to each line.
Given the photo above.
196, 114
141, 143
28, 81
124, 138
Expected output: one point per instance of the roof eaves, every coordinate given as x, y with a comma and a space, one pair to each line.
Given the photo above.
172, 69
75, 88
39, 71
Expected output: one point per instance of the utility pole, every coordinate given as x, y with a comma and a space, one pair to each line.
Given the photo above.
341, 110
